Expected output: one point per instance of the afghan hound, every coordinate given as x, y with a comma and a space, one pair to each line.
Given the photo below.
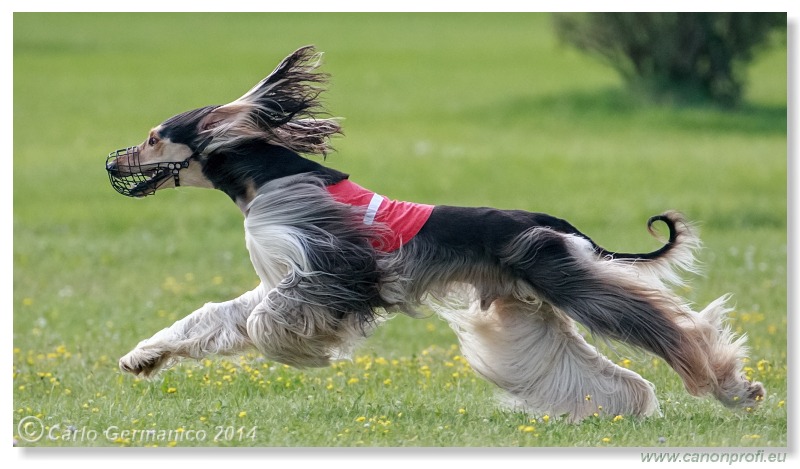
334, 259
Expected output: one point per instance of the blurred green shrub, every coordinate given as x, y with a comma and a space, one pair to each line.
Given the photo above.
674, 56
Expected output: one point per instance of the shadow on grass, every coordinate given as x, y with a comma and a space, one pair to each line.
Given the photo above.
624, 107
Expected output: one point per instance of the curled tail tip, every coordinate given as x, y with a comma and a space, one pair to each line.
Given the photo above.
677, 224
683, 243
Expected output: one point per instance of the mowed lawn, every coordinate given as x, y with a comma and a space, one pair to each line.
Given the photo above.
460, 109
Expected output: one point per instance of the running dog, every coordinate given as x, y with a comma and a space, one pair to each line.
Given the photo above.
334, 259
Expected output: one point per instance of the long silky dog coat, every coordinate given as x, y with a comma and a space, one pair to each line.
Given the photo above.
333, 258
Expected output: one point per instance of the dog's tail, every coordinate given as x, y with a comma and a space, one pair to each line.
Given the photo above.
676, 255
672, 220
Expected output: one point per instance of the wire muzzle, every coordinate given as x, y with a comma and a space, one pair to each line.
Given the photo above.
131, 178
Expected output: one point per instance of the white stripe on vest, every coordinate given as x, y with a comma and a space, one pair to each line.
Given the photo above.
372, 209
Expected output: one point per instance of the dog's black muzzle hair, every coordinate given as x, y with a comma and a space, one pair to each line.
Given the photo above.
139, 180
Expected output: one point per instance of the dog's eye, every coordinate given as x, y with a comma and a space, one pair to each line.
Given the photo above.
152, 141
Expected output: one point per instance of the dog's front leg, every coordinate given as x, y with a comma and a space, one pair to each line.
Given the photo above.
310, 319
215, 328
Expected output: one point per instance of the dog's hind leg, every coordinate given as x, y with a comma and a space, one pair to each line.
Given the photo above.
216, 328
539, 359
614, 301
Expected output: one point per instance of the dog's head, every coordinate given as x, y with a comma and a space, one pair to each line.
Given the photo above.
171, 154
283, 110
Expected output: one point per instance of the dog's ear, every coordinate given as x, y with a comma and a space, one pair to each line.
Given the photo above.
220, 116
283, 108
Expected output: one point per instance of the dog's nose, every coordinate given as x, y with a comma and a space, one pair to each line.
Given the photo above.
111, 167
120, 162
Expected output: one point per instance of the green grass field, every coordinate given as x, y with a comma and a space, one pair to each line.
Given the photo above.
452, 109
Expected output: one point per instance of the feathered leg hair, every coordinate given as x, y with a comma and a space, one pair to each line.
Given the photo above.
622, 300
538, 358
216, 328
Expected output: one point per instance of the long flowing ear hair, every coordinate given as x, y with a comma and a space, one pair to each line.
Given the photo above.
283, 108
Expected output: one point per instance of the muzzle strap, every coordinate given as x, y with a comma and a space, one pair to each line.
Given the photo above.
177, 167
176, 170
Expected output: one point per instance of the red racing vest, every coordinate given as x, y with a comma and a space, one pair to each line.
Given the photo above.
403, 220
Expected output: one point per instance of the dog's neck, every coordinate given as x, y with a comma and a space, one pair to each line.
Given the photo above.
239, 173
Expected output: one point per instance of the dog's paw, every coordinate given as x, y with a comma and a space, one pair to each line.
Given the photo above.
753, 395
745, 395
144, 362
